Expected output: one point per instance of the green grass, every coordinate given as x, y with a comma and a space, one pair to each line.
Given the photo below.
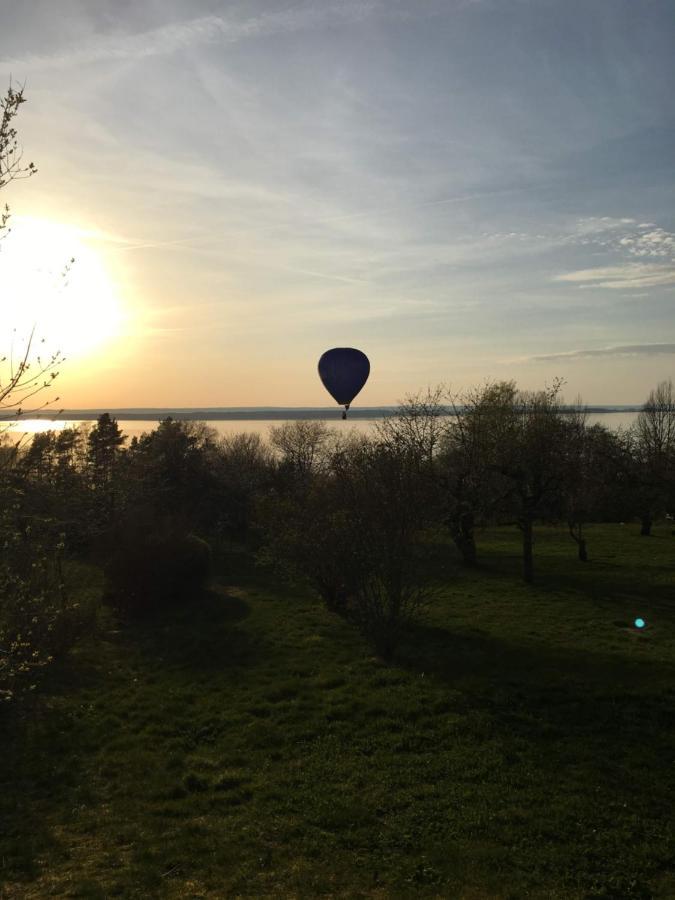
522, 745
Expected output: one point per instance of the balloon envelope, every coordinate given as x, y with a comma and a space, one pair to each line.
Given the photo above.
343, 371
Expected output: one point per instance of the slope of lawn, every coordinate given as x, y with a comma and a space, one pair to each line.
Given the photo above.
522, 745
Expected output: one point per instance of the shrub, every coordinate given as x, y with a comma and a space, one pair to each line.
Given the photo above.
152, 566
308, 537
39, 619
352, 532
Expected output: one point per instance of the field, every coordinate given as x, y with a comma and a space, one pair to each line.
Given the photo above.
522, 745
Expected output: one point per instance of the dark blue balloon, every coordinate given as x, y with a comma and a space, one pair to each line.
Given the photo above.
343, 372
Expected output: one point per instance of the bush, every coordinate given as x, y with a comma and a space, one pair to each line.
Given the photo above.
149, 567
308, 537
40, 621
352, 532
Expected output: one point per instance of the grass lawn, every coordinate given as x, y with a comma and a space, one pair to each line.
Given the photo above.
522, 745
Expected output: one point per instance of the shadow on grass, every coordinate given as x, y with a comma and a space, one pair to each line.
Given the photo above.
599, 579
203, 634
222, 604
38, 772
448, 655
538, 691
598, 586
45, 750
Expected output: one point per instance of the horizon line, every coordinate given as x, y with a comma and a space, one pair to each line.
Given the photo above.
215, 413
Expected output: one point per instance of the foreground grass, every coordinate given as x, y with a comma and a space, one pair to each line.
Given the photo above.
523, 745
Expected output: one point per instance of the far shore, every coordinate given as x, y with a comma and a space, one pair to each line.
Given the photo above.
267, 413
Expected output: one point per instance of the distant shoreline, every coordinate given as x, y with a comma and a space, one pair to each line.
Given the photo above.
243, 413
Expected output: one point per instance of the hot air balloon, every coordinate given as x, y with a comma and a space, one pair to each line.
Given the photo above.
343, 371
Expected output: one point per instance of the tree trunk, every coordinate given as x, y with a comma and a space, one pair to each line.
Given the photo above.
646, 525
576, 533
463, 537
528, 563
335, 597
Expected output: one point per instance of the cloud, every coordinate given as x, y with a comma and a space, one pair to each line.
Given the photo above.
627, 276
168, 39
624, 350
600, 224
644, 239
654, 243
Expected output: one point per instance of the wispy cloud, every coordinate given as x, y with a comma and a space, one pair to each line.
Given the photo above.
629, 276
623, 350
597, 225
174, 37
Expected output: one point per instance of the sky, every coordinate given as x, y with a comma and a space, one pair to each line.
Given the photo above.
466, 190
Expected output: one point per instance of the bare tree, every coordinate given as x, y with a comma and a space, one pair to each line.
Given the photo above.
352, 531
388, 504
471, 487
656, 422
22, 377
301, 446
526, 444
418, 425
243, 464
309, 536
12, 166
580, 479
653, 445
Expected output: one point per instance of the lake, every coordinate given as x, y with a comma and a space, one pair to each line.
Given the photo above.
136, 427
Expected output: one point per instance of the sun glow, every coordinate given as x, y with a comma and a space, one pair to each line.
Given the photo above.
52, 279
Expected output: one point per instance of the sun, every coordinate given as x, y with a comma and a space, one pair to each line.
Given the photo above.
52, 279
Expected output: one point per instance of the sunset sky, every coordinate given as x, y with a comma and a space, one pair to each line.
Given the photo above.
470, 190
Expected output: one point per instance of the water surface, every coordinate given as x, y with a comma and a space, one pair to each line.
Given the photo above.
137, 427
